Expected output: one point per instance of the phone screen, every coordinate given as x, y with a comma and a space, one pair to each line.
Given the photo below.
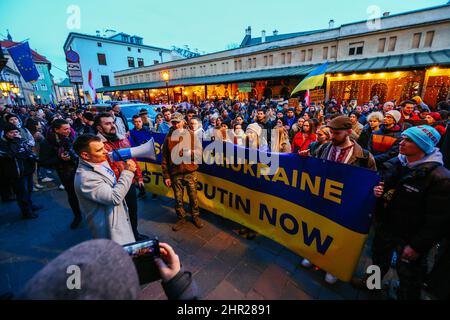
143, 254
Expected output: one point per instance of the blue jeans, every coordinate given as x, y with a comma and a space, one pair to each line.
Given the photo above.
23, 187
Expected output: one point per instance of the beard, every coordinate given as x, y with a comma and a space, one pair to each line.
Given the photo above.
111, 137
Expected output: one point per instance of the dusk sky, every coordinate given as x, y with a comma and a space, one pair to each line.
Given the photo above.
207, 25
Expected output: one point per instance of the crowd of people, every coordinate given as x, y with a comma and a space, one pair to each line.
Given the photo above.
406, 143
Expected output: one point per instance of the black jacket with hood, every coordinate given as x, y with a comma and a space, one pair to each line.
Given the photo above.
415, 204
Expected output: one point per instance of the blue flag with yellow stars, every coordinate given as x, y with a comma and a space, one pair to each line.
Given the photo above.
23, 58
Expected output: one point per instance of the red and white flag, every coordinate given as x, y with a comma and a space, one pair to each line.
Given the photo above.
307, 98
91, 85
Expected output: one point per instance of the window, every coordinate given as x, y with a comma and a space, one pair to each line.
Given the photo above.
356, 48
289, 57
129, 49
240, 64
416, 40
310, 54
99, 44
392, 43
381, 44
303, 55
139, 50
325, 53
265, 61
131, 62
429, 39
333, 52
271, 60
43, 87
249, 63
283, 58
105, 81
101, 59
155, 61
140, 62
254, 62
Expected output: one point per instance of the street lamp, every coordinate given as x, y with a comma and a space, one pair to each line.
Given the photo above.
5, 86
166, 78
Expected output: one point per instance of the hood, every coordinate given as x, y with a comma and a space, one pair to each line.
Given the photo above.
395, 128
435, 157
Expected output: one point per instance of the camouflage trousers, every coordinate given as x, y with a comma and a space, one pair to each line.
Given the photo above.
189, 181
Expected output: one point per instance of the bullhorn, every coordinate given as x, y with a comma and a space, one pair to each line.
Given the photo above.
145, 151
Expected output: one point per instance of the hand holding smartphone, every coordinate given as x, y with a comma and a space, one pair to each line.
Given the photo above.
143, 254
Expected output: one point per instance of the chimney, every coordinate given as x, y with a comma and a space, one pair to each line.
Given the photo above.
248, 31
263, 36
386, 14
331, 24
275, 32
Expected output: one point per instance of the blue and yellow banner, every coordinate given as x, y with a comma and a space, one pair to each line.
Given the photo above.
316, 208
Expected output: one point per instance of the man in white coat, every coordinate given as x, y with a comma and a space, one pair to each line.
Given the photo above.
101, 195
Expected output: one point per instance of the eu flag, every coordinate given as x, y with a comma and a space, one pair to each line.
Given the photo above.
23, 58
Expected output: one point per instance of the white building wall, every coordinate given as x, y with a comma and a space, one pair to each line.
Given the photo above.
402, 26
116, 58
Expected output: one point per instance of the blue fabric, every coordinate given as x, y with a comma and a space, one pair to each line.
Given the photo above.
23, 58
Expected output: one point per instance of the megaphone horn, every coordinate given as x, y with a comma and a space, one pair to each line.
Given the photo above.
145, 151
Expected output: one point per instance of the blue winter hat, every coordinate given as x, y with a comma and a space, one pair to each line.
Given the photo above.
426, 137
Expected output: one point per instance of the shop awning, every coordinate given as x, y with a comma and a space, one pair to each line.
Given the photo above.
394, 62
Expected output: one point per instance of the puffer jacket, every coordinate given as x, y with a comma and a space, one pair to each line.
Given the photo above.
384, 143
415, 205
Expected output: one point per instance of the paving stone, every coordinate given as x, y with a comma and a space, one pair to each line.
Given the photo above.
259, 258
327, 294
271, 283
152, 291
244, 277
211, 275
233, 253
270, 245
308, 281
292, 292
288, 260
225, 291
253, 295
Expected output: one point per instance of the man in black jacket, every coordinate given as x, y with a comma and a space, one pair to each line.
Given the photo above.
58, 153
17, 163
412, 214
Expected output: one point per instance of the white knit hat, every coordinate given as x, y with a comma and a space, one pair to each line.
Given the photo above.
395, 114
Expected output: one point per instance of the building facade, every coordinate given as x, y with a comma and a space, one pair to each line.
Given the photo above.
65, 91
27, 94
44, 88
410, 51
106, 54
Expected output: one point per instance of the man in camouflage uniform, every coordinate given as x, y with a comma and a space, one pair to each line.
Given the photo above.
181, 172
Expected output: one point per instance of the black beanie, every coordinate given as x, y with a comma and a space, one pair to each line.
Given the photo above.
9, 127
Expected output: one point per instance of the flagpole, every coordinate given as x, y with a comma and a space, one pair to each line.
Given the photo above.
78, 94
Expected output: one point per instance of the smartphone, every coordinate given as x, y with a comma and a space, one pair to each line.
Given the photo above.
143, 254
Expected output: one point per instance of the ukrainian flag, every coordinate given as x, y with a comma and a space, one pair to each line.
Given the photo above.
312, 80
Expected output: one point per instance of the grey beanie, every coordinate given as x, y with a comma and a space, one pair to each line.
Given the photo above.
106, 273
